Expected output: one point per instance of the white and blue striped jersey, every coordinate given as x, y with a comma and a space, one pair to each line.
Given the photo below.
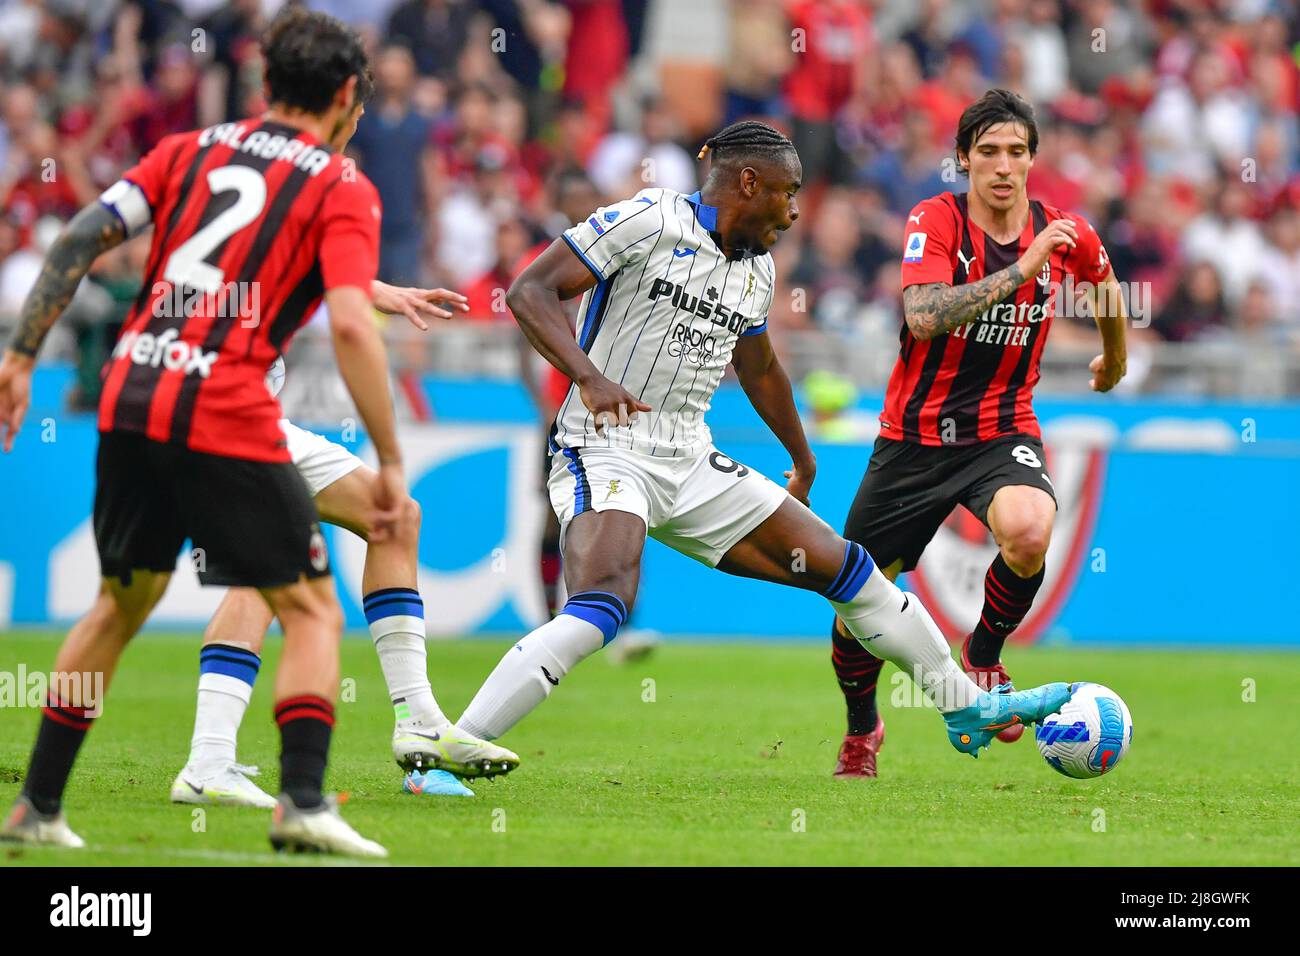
662, 319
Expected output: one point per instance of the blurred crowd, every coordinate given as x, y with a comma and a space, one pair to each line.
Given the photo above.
1172, 125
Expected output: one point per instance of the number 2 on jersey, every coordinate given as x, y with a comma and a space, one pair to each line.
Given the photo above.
185, 266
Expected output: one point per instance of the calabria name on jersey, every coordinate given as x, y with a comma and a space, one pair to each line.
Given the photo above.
253, 223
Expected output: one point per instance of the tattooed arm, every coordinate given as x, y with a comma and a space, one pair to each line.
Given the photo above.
937, 308
91, 232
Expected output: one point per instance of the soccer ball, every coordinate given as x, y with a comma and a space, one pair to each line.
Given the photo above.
1089, 735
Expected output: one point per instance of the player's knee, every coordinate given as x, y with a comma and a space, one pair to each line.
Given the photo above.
326, 613
411, 516
305, 607
1025, 548
118, 614
322, 620
617, 578
107, 616
622, 586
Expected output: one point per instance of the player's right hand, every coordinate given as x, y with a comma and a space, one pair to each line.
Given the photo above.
799, 480
388, 505
1059, 234
610, 404
416, 304
15, 394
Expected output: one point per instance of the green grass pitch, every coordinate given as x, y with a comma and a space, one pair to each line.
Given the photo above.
709, 754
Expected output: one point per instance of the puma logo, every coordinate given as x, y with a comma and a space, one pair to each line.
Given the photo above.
967, 263
917, 218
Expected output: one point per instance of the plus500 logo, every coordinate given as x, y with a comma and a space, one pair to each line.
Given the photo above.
144, 348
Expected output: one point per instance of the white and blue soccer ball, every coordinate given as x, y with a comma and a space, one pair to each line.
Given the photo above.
1089, 735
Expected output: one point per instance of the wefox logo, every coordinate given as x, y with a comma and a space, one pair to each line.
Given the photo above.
165, 349
715, 312
134, 910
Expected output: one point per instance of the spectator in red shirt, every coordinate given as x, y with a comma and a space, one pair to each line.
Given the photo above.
836, 40
170, 105
487, 293
597, 54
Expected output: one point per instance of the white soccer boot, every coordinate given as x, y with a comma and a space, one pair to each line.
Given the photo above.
226, 786
26, 824
450, 748
320, 830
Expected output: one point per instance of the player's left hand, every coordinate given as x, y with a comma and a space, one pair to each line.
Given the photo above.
1106, 372
417, 304
799, 480
15, 394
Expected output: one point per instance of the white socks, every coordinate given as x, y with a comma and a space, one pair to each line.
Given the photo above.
226, 676
396, 619
895, 626
525, 676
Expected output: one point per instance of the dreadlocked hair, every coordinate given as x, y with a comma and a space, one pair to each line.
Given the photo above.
746, 138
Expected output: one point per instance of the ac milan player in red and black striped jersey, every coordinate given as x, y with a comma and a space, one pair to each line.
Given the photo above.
254, 222
981, 273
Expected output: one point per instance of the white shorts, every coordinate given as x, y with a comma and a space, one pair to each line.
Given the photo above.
320, 461
701, 506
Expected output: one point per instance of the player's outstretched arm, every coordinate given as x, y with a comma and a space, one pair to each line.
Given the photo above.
936, 308
92, 231
768, 387
534, 298
1111, 316
417, 304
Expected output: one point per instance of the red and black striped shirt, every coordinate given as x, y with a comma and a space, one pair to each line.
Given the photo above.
976, 383
254, 221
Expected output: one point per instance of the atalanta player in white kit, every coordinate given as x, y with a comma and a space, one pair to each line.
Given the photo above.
674, 288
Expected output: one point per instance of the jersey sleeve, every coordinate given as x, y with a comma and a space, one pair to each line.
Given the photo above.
139, 192
349, 249
617, 235
930, 243
760, 323
1088, 260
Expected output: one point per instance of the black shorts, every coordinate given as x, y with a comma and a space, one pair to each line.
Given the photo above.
909, 489
252, 523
